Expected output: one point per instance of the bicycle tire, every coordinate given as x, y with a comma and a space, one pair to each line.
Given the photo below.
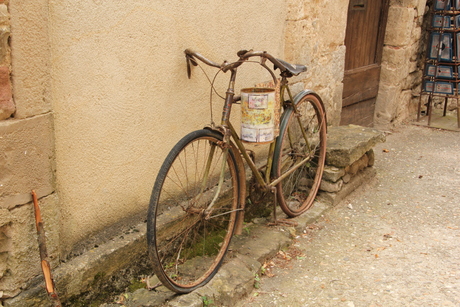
296, 192
186, 243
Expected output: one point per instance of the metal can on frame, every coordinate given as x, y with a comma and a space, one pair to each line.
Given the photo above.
258, 115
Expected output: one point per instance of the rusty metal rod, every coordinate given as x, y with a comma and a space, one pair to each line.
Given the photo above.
46, 268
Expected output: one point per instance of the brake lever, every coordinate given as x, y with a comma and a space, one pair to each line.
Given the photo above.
243, 52
190, 60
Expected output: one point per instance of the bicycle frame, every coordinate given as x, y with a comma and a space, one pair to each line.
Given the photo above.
229, 132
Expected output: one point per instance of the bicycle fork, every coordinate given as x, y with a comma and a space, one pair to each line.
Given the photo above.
221, 177
226, 139
225, 144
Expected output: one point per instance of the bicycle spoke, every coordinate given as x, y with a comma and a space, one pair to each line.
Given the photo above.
300, 157
189, 239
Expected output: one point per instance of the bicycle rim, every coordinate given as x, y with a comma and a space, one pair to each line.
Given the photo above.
186, 241
301, 146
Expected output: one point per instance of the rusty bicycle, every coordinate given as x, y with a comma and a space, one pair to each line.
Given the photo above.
198, 199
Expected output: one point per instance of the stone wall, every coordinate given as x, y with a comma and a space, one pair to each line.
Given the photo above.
315, 35
7, 107
26, 144
401, 63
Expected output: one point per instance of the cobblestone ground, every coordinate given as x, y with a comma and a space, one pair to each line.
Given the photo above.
394, 242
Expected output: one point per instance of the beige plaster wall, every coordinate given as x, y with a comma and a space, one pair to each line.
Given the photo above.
121, 98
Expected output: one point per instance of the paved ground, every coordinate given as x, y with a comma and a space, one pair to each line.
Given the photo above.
394, 242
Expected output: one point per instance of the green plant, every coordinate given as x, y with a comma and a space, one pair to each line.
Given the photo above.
263, 270
256, 281
207, 302
135, 285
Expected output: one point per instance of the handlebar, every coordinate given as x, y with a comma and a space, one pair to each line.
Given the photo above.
287, 70
191, 55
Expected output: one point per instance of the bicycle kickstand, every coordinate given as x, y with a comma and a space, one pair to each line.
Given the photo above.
280, 222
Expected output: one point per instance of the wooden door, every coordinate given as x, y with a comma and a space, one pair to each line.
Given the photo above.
364, 42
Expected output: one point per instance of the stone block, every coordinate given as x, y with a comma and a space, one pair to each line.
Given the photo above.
19, 254
31, 63
333, 174
401, 18
4, 15
358, 165
417, 34
347, 144
4, 36
386, 105
23, 258
5, 218
331, 187
232, 282
26, 159
404, 3
395, 58
4, 45
7, 106
295, 9
371, 156
355, 182
402, 109
421, 7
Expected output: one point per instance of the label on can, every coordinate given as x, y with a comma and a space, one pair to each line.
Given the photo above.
258, 115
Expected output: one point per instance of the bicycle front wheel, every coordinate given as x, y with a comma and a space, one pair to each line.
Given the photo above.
300, 155
193, 211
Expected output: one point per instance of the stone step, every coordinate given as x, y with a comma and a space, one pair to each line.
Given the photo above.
347, 144
349, 160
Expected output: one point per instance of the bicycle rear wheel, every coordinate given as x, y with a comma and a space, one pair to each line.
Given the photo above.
187, 240
301, 146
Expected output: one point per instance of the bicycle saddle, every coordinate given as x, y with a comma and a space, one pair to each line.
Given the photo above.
293, 69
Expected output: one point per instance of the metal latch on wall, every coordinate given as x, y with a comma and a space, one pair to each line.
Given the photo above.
358, 5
